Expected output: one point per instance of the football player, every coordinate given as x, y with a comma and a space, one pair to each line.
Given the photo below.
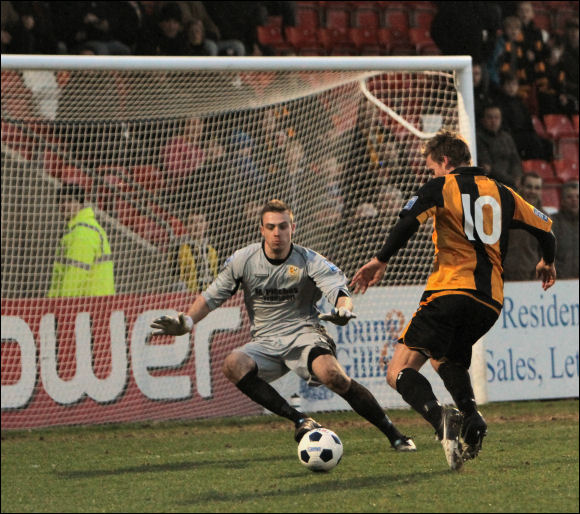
464, 293
282, 282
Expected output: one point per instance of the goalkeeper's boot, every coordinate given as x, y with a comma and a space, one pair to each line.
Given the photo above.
404, 444
473, 431
451, 420
304, 425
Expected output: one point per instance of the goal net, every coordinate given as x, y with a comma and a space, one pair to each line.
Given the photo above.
176, 158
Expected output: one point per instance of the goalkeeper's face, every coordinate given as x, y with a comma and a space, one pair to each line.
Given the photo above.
277, 229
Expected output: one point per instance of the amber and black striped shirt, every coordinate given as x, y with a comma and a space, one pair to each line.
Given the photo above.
472, 217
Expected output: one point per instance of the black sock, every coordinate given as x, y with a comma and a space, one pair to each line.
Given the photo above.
458, 383
417, 392
365, 404
264, 394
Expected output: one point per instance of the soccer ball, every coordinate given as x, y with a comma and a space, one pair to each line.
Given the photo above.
320, 449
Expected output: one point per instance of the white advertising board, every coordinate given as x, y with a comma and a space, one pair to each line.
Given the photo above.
532, 351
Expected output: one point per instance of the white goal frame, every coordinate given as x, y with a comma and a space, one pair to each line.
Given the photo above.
461, 66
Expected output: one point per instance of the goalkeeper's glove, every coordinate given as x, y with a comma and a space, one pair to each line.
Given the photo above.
340, 316
171, 325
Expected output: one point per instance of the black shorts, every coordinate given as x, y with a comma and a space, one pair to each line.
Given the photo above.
447, 324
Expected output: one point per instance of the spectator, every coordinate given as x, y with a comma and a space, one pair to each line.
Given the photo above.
565, 229
88, 24
213, 41
197, 260
131, 19
524, 252
238, 21
570, 64
496, 150
516, 119
483, 89
512, 55
83, 264
165, 33
197, 44
10, 19
534, 37
552, 98
466, 28
34, 32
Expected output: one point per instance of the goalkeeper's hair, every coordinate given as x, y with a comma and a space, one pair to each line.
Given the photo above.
276, 206
448, 144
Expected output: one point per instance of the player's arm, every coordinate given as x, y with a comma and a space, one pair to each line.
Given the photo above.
222, 288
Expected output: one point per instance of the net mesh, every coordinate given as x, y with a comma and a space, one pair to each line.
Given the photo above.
177, 166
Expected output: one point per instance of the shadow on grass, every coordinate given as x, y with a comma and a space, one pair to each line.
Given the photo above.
160, 468
324, 487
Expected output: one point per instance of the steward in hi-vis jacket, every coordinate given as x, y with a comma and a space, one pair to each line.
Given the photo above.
83, 264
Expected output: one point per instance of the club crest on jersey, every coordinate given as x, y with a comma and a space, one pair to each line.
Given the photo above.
410, 203
292, 271
540, 214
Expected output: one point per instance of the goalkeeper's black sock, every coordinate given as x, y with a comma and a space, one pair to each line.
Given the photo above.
458, 383
417, 392
264, 394
365, 404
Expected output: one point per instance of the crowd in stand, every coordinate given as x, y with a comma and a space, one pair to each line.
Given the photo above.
521, 74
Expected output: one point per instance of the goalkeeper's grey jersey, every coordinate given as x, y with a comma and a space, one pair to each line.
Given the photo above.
280, 297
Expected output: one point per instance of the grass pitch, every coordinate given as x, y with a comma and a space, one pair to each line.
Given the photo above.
529, 463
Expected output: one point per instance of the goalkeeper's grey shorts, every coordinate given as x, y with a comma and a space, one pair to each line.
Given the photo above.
276, 356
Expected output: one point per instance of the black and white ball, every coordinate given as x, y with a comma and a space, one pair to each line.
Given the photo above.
320, 449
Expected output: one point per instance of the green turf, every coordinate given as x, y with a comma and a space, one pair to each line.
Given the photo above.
529, 464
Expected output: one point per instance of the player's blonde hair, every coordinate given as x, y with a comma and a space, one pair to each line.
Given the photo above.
275, 205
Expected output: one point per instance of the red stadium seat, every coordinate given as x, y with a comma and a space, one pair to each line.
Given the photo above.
567, 149
365, 40
397, 20
366, 16
558, 126
270, 35
539, 127
307, 15
335, 41
422, 18
542, 168
337, 15
566, 170
421, 38
575, 123
301, 38
385, 38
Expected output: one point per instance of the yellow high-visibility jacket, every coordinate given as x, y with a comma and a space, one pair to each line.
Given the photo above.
83, 265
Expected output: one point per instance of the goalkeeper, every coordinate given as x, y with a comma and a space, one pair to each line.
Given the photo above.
282, 282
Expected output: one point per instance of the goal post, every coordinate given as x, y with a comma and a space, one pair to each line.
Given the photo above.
176, 155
